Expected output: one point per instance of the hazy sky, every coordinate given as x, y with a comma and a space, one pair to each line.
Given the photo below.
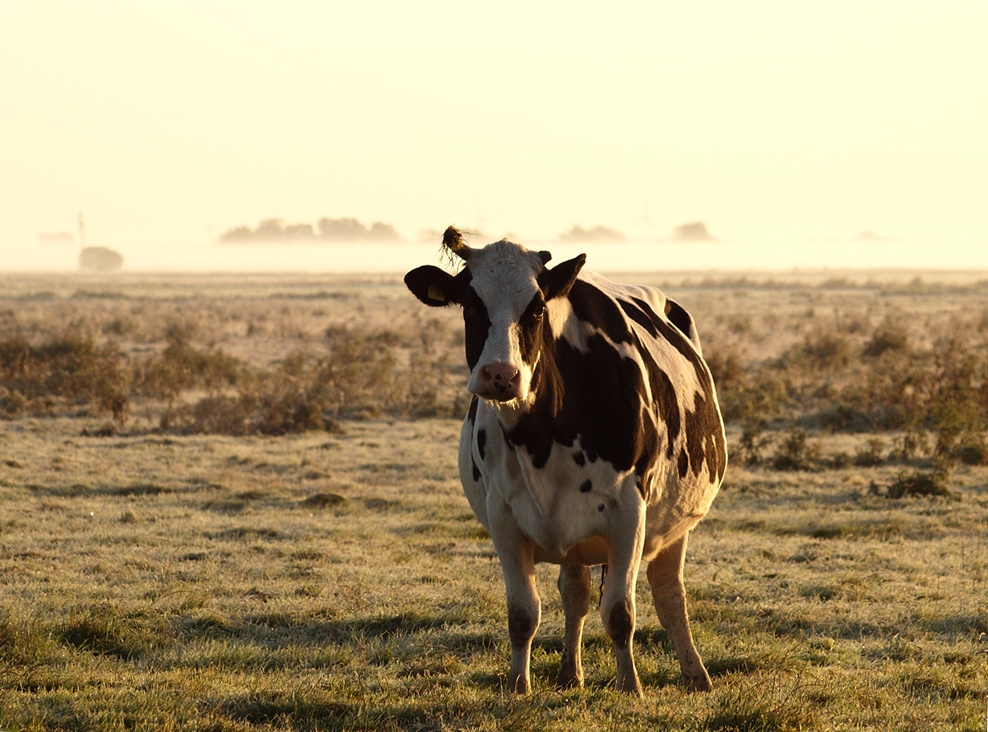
775, 122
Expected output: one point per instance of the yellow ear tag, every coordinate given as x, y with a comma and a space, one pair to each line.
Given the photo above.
436, 294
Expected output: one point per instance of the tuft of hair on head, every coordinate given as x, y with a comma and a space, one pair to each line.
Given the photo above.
453, 244
452, 238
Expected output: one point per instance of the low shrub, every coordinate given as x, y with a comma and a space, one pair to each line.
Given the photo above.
796, 451
841, 460
823, 350
359, 378
201, 388
974, 451
889, 336
68, 369
727, 367
753, 442
180, 367
921, 483
761, 394
871, 454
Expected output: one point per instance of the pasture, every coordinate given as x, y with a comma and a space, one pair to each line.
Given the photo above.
231, 503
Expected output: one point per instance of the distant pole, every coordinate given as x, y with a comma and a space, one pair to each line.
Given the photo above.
82, 231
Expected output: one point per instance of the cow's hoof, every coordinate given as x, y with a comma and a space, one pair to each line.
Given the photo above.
566, 681
698, 683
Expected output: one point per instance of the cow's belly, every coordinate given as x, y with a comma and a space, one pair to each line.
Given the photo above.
594, 550
574, 522
569, 507
576, 534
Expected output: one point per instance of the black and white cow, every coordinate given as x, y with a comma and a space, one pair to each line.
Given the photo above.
593, 437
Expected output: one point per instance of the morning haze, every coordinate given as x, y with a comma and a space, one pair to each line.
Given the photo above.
789, 131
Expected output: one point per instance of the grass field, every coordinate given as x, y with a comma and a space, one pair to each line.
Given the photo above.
231, 503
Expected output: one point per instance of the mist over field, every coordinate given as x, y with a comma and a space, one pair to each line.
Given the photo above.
629, 255
174, 129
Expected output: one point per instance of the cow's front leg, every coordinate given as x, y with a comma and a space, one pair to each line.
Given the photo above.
574, 589
517, 552
617, 604
524, 610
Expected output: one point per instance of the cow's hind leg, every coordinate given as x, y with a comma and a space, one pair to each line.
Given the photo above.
665, 575
574, 588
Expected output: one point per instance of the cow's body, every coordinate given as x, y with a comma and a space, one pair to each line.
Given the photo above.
593, 437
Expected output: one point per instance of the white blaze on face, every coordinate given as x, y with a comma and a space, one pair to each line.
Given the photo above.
504, 277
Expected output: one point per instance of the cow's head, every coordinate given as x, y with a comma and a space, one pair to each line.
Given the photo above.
506, 293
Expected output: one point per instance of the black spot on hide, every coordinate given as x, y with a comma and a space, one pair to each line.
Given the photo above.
620, 624
703, 439
684, 463
579, 458
638, 315
679, 317
665, 400
591, 305
530, 329
586, 486
477, 325
521, 625
680, 342
472, 412
482, 443
476, 472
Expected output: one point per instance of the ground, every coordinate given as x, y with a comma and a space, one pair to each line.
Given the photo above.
334, 577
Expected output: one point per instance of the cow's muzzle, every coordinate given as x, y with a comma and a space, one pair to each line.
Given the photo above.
499, 382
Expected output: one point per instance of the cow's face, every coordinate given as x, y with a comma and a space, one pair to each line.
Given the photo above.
506, 294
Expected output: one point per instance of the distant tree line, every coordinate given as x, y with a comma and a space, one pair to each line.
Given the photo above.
351, 230
592, 235
330, 230
695, 231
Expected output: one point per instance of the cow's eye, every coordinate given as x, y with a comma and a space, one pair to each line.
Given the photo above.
538, 311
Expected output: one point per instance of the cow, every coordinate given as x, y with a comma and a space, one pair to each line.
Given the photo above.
593, 437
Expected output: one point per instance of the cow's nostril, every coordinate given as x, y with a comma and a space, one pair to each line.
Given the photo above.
499, 378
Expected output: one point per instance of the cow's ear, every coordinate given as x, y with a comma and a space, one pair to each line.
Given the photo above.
435, 287
556, 282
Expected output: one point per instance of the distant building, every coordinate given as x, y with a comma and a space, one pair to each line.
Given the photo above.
696, 231
100, 259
